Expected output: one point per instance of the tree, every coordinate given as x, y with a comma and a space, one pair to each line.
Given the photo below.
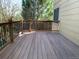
37, 9
7, 9
46, 11
30, 9
26, 12
7, 12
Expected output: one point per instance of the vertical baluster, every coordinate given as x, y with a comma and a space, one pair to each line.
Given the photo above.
4, 31
11, 30
46, 27
1, 38
21, 27
30, 23
43, 25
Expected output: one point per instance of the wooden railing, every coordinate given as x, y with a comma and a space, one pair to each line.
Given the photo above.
6, 33
9, 30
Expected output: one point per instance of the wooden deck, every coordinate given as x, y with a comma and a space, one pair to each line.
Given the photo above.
41, 45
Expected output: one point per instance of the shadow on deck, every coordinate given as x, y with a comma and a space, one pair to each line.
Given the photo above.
41, 45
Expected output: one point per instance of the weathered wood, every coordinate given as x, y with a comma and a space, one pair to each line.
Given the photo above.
11, 30
36, 25
4, 32
33, 25
41, 45
30, 25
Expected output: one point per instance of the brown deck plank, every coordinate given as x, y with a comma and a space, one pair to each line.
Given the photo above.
35, 48
27, 50
44, 54
49, 49
41, 45
39, 48
9, 49
22, 48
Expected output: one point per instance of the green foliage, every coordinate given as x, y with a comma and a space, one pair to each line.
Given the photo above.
47, 10
37, 9
26, 6
8, 10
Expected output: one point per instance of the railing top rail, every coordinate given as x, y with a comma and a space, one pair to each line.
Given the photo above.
9, 23
6, 23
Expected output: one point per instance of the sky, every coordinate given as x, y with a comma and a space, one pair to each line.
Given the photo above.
10, 3
19, 2
7, 10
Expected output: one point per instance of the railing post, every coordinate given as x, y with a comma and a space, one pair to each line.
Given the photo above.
30, 23
4, 30
11, 30
21, 28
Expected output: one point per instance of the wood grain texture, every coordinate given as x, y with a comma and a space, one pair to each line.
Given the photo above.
41, 45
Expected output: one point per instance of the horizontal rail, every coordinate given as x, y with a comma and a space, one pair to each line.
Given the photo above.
1, 24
